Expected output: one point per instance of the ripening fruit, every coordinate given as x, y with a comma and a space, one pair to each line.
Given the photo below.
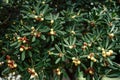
73, 32
84, 47
11, 64
42, 19
35, 17
89, 44
60, 54
52, 21
110, 24
43, 2
91, 72
76, 61
33, 28
24, 41
15, 65
35, 33
26, 48
111, 35
41, 15
71, 47
91, 57
58, 73
1, 63
18, 38
21, 49
32, 73
52, 32
50, 53
111, 51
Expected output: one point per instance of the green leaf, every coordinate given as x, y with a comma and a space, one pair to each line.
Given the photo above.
26, 34
114, 73
33, 39
88, 77
15, 52
107, 43
18, 45
20, 68
43, 37
5, 71
56, 46
58, 60
30, 53
109, 61
80, 76
23, 56
52, 37
6, 1
13, 44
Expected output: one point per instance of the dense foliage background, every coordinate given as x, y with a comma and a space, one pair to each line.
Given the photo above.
56, 39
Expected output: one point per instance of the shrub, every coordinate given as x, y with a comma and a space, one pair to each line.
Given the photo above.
51, 40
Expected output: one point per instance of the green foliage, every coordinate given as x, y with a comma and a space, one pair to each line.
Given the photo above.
47, 39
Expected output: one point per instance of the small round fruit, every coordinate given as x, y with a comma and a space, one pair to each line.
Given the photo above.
52, 21
21, 49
